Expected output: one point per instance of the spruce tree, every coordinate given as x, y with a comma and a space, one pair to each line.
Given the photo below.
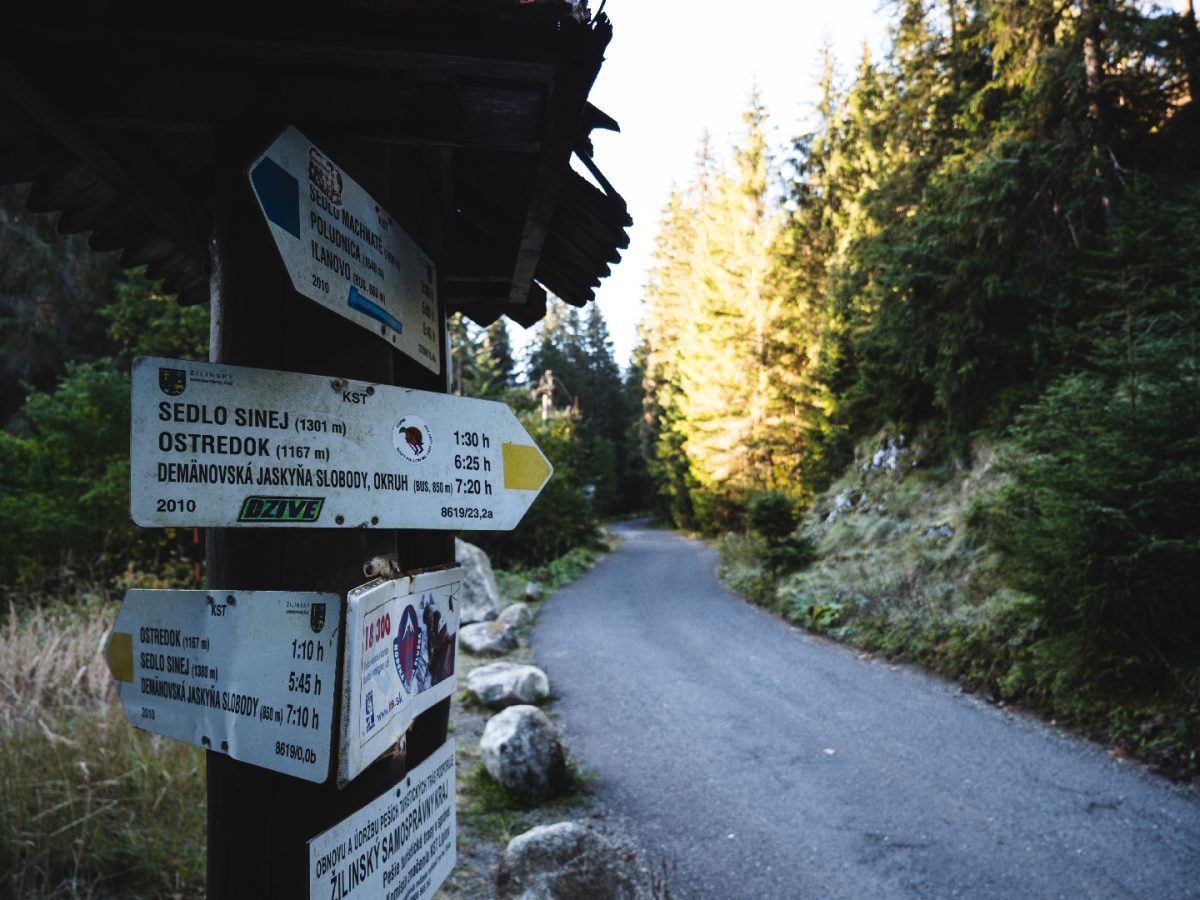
494, 363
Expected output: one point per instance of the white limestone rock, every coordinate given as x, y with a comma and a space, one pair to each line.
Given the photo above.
522, 750
502, 684
518, 615
571, 861
481, 596
487, 638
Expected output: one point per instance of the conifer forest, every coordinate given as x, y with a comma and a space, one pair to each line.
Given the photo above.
928, 374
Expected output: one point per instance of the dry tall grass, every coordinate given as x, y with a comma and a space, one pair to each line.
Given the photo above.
89, 807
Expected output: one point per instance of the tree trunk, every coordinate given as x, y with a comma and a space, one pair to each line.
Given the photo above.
1191, 50
1098, 111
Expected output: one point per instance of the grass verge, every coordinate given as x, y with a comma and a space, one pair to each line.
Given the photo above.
900, 572
488, 817
89, 807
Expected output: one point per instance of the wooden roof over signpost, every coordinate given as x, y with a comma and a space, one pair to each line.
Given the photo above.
113, 110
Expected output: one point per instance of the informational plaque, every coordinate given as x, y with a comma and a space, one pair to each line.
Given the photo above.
400, 846
401, 640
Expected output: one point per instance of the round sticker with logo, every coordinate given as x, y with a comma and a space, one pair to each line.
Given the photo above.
407, 646
412, 438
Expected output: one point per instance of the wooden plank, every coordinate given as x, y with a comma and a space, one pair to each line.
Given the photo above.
483, 316
499, 53
574, 260
449, 63
597, 248
55, 188
171, 222
174, 264
144, 252
89, 213
23, 161
605, 211
116, 234
532, 311
491, 119
191, 286
192, 294
575, 76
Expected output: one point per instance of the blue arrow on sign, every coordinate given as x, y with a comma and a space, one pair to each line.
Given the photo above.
279, 193
374, 310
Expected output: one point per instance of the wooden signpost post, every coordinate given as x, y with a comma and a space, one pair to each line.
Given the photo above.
261, 821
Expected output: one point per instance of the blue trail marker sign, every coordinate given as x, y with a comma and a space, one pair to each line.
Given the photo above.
343, 250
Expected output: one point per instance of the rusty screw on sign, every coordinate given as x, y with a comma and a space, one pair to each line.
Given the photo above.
341, 384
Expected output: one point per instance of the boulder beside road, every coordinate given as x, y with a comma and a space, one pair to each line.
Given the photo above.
571, 861
487, 638
522, 751
502, 684
518, 615
481, 595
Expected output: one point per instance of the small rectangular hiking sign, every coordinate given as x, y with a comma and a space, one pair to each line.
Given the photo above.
247, 673
342, 249
401, 642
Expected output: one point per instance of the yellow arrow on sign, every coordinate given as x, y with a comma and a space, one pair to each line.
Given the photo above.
119, 655
525, 469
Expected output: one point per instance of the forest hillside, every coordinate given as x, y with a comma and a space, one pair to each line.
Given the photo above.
983, 262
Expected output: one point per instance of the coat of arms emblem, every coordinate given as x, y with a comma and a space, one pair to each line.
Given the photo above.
172, 382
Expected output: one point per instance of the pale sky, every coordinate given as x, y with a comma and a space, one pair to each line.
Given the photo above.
675, 68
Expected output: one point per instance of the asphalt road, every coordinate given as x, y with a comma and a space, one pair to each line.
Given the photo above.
752, 760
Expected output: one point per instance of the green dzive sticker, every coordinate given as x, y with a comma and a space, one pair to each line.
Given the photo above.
281, 509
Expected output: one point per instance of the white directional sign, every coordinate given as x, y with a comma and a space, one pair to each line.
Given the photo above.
400, 654
247, 673
400, 846
222, 446
343, 250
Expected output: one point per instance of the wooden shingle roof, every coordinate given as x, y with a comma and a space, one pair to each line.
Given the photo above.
115, 111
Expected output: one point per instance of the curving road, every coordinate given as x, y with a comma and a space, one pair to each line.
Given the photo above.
756, 761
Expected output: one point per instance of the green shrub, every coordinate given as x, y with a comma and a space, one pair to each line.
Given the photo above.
772, 514
1098, 519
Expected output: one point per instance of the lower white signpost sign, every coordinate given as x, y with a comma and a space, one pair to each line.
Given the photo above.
400, 846
247, 673
401, 639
